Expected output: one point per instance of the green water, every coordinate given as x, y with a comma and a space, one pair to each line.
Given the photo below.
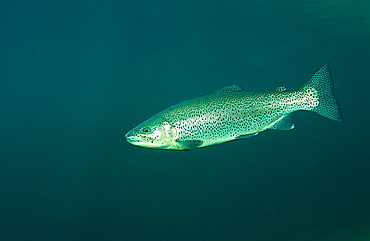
77, 75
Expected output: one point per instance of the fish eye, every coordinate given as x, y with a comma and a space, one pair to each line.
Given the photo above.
146, 129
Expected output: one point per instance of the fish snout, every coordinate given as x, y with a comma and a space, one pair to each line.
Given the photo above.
131, 137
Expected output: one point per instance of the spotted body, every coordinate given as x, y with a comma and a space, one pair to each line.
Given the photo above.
232, 113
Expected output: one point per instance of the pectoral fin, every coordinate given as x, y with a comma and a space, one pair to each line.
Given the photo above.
189, 144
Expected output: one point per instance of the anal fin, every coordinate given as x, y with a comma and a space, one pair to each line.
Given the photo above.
246, 136
285, 123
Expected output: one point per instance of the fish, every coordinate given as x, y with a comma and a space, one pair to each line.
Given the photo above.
232, 113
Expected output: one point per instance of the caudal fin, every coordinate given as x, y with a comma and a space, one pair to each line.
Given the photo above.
322, 84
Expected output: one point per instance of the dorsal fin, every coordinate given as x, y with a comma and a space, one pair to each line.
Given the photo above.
231, 88
280, 89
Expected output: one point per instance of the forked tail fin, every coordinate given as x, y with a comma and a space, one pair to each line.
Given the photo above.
321, 82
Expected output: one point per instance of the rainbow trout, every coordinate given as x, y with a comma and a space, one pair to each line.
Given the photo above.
232, 113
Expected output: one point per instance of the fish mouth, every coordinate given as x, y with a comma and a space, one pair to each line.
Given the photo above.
133, 138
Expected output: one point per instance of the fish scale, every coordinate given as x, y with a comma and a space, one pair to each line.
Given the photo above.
232, 113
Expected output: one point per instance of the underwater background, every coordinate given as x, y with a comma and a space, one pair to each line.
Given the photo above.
77, 75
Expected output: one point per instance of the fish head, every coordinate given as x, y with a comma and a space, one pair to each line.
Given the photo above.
154, 133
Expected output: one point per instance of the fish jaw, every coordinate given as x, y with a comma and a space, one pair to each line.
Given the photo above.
143, 140
160, 137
